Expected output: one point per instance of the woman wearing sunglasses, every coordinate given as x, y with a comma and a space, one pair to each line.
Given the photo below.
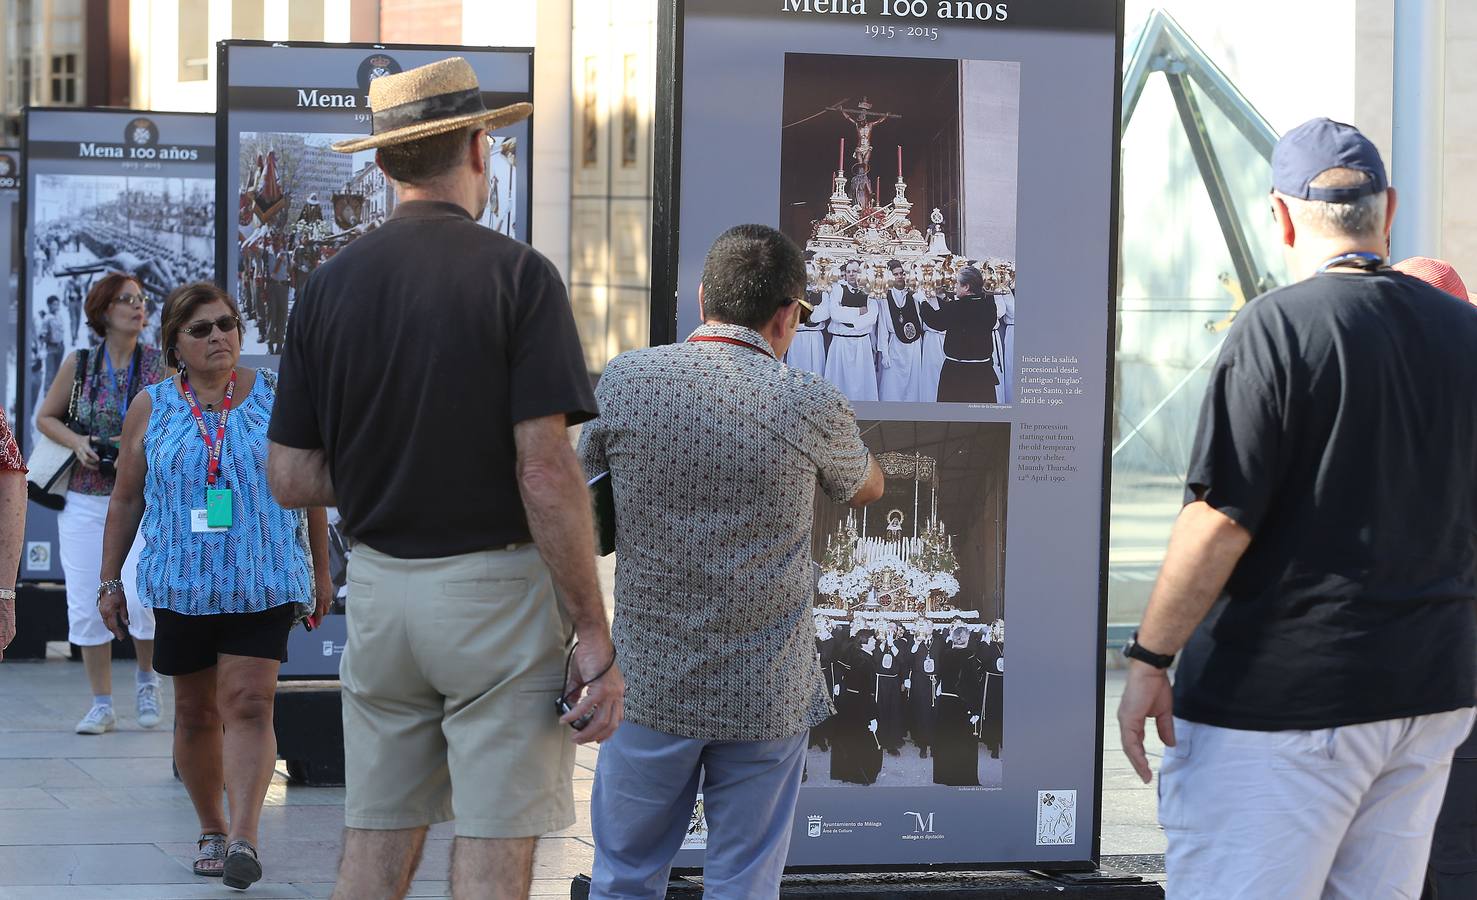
115, 372
226, 571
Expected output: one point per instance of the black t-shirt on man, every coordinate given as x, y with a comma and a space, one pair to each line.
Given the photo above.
411, 356
1339, 429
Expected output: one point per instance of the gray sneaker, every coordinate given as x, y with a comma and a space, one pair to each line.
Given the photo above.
148, 705
99, 720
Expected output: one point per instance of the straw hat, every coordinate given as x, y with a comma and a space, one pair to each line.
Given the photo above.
428, 101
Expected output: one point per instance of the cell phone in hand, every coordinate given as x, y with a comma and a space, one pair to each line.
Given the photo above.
562, 704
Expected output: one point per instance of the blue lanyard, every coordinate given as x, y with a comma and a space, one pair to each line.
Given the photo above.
113, 379
1359, 260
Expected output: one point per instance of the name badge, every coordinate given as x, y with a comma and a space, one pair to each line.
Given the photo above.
200, 522
218, 508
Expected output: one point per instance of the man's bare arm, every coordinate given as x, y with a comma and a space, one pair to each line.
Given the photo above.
299, 478
12, 536
1203, 550
872, 489
558, 505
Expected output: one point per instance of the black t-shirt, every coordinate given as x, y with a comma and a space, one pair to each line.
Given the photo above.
410, 357
1339, 429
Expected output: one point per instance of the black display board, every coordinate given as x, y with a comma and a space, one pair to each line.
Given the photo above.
936, 135
103, 190
281, 188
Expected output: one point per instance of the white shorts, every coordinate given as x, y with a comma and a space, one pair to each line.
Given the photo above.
1334, 814
80, 535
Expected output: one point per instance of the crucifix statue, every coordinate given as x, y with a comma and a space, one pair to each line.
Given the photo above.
865, 120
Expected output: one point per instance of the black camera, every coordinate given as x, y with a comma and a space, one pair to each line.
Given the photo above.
107, 457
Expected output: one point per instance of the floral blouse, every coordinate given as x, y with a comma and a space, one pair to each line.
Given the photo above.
100, 408
10, 455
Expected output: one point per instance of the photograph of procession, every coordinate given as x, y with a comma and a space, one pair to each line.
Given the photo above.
159, 229
301, 202
898, 177
909, 613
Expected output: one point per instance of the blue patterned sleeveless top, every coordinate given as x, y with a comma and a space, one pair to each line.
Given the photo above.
262, 561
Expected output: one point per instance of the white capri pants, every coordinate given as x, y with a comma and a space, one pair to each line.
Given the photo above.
1334, 814
80, 533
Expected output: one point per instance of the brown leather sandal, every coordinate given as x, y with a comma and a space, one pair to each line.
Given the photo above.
211, 860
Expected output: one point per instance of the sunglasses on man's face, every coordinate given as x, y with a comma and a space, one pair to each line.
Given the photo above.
201, 330
806, 308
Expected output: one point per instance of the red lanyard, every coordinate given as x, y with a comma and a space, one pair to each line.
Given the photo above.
212, 448
719, 339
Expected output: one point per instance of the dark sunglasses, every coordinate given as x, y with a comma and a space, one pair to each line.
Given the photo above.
201, 330
133, 300
806, 308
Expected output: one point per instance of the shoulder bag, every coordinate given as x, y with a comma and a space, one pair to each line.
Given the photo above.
50, 463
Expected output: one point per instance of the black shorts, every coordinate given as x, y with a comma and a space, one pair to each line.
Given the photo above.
184, 644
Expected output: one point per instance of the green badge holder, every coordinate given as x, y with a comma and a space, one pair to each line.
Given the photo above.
218, 508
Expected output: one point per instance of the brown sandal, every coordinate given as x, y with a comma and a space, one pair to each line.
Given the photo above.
210, 862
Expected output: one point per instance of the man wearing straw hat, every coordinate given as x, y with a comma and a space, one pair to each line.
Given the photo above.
431, 370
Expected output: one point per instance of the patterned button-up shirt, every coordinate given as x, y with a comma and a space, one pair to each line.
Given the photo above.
714, 452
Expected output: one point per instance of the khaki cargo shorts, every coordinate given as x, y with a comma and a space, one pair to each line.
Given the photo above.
449, 681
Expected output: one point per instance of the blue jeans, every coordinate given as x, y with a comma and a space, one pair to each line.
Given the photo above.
645, 786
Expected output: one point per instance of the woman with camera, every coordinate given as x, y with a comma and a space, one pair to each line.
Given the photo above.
113, 374
225, 569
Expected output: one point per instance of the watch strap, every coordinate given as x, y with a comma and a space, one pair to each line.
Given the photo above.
1134, 650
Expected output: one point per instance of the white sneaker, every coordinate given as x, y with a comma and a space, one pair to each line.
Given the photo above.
99, 720
148, 705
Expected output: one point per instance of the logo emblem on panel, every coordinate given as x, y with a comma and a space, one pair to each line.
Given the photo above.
7, 166
377, 66
813, 826
141, 132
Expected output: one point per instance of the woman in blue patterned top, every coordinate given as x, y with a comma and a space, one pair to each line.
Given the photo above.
226, 570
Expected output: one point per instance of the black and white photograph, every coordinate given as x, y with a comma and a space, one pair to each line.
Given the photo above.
910, 613
301, 202
159, 229
898, 177
10, 257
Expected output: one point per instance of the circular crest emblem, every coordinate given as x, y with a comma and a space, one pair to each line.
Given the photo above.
910, 333
377, 66
7, 166
141, 132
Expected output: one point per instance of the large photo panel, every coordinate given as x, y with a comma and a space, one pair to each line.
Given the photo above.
10, 258
949, 169
105, 191
293, 201
893, 190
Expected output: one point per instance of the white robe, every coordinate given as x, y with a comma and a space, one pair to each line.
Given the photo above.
1005, 348
933, 359
850, 364
902, 363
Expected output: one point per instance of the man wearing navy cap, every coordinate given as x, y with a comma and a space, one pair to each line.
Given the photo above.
1321, 580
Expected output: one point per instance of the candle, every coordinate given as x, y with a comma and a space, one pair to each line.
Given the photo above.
899, 162
841, 158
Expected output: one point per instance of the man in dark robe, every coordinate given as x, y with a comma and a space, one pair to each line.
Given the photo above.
856, 754
892, 669
956, 752
990, 660
922, 689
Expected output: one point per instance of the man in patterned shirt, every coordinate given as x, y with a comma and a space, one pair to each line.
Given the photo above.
714, 448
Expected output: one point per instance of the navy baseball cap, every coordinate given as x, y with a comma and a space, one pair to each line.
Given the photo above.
1318, 145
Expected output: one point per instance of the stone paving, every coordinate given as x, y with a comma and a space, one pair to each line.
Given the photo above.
103, 817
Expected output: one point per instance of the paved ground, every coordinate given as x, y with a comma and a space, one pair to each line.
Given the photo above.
103, 817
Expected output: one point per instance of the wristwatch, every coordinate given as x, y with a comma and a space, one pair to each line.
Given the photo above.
1134, 650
